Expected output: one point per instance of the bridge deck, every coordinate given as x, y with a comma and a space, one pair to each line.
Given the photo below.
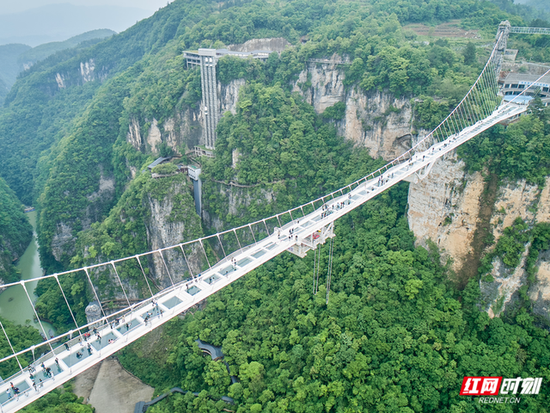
144, 317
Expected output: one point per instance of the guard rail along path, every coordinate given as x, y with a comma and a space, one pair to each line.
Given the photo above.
244, 248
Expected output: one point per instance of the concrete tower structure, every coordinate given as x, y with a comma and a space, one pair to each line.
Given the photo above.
207, 59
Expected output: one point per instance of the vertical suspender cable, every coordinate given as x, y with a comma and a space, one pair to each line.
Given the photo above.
38, 318
329, 272
120, 282
12, 349
187, 262
166, 267
144, 276
68, 306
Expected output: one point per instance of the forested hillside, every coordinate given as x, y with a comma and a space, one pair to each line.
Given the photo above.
396, 335
15, 232
93, 94
14, 58
80, 128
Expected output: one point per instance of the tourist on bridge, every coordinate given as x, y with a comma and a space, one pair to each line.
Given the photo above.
8, 393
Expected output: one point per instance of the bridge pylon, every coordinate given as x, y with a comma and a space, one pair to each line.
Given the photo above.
503, 33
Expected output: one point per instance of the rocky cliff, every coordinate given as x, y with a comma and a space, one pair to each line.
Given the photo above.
172, 219
375, 120
447, 207
153, 213
15, 232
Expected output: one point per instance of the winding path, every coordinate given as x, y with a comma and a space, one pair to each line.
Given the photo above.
212, 351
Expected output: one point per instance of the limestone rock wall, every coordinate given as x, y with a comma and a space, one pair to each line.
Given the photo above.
228, 96
376, 120
182, 130
173, 220
275, 44
445, 208
540, 290
530, 203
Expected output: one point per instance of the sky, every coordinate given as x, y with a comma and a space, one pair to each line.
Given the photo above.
11, 6
34, 22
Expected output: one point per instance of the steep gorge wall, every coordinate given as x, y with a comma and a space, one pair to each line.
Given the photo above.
172, 220
445, 208
376, 120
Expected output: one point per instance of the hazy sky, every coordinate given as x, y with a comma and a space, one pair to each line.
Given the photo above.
35, 22
11, 6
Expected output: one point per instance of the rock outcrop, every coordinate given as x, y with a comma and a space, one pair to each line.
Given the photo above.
376, 120
173, 220
445, 208
275, 44
183, 129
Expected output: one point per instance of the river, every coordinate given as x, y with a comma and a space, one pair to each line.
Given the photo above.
14, 304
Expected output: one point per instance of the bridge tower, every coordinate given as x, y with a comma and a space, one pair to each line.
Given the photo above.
503, 33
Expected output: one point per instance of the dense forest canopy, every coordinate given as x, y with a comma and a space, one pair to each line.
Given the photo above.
15, 232
397, 334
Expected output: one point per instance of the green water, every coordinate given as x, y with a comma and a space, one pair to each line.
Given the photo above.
14, 303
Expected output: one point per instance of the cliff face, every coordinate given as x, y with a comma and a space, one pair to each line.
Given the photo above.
62, 244
375, 120
152, 214
183, 129
15, 232
172, 220
446, 208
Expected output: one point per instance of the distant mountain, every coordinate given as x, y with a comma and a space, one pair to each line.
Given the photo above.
31, 56
538, 4
14, 58
9, 67
3, 91
58, 22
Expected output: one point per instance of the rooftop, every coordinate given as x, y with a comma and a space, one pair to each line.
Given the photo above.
157, 162
524, 78
261, 54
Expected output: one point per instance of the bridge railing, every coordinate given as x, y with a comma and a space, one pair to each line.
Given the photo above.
530, 30
479, 101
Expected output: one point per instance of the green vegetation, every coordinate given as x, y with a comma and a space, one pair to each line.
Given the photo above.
60, 400
520, 151
72, 129
14, 58
21, 337
15, 233
395, 336
122, 233
335, 112
31, 56
9, 67
510, 246
287, 149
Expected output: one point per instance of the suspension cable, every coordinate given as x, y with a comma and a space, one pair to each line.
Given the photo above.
329, 271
